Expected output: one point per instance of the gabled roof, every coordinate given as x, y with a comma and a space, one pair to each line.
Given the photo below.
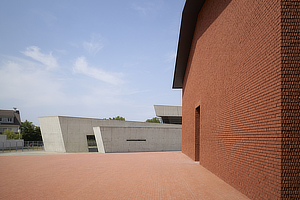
11, 114
188, 24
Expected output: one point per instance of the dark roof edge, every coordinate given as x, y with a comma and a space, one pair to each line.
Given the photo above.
11, 113
188, 23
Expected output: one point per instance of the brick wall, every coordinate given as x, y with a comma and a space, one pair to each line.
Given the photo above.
235, 73
290, 50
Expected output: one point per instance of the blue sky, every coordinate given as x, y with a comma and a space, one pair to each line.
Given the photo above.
91, 58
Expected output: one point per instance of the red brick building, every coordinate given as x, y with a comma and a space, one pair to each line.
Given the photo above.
238, 66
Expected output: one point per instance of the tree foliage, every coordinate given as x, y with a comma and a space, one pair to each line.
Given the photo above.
118, 118
10, 134
153, 120
30, 132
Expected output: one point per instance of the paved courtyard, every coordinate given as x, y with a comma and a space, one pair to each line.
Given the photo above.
151, 175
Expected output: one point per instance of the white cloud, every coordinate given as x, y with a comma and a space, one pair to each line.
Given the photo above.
62, 51
81, 66
47, 17
94, 45
73, 45
148, 7
48, 60
170, 57
140, 9
29, 84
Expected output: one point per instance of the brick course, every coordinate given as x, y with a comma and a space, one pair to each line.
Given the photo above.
243, 71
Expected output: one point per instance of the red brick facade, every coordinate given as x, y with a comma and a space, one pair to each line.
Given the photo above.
243, 71
290, 98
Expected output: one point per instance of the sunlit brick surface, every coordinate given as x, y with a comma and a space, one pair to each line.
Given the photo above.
234, 74
160, 175
244, 72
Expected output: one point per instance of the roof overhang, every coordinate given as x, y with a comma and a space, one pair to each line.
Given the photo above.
188, 23
169, 114
163, 110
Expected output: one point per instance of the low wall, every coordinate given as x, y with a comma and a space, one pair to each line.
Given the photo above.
137, 139
9, 143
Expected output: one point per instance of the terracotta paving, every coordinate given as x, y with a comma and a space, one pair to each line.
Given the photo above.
151, 175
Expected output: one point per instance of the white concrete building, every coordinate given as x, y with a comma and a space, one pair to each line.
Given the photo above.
69, 134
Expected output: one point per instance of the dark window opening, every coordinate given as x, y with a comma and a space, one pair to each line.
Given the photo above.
135, 140
92, 144
197, 134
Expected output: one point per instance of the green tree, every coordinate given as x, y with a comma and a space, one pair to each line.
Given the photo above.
30, 132
153, 120
10, 134
118, 118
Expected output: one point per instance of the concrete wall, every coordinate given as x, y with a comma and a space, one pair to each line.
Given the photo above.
68, 134
52, 134
3, 138
133, 139
9, 143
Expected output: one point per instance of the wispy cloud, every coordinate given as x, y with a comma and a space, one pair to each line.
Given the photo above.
140, 9
170, 57
81, 66
62, 51
73, 45
94, 45
48, 60
48, 17
31, 85
147, 8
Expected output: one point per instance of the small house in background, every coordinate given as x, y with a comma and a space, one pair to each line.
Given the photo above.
10, 119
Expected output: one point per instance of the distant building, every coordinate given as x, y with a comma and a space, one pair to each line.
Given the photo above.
10, 119
77, 134
169, 114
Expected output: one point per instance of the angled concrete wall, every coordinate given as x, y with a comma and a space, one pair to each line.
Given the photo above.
134, 139
68, 134
52, 134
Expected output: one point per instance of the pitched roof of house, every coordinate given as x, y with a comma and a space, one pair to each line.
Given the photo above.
188, 24
11, 114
